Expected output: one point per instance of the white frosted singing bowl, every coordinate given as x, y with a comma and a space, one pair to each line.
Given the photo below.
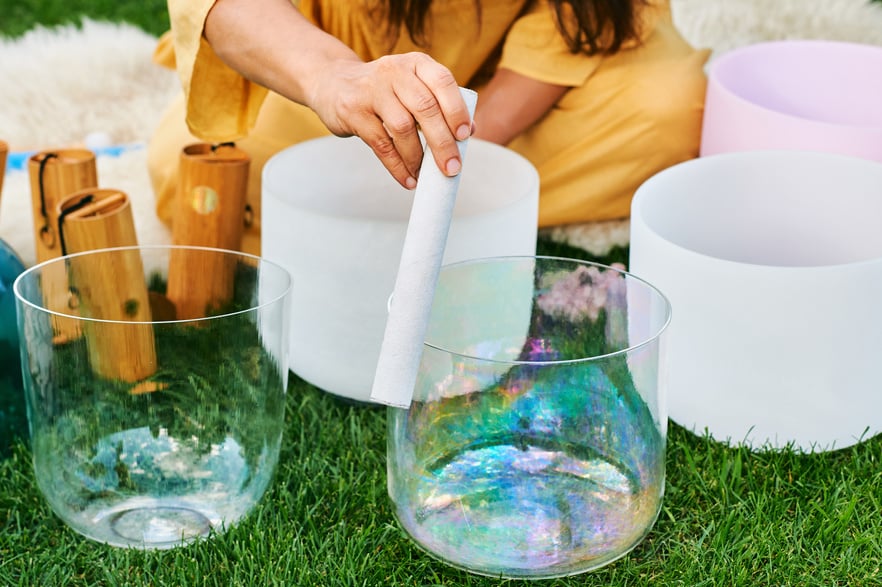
335, 218
815, 95
772, 261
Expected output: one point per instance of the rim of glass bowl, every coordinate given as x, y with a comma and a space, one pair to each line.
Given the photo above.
16, 286
624, 351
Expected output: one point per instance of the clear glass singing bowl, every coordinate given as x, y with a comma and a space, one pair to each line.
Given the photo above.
535, 443
155, 379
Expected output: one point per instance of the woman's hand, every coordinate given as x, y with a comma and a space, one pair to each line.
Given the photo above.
384, 102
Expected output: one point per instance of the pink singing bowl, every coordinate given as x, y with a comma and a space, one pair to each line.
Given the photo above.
809, 95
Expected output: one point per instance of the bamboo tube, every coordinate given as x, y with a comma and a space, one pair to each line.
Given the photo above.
110, 286
54, 175
210, 212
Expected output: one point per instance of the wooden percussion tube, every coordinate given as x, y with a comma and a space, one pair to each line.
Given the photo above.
210, 212
109, 286
54, 175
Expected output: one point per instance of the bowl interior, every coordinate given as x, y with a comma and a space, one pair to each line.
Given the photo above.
321, 174
823, 81
781, 208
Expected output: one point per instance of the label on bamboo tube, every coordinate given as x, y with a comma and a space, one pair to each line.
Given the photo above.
110, 286
53, 176
204, 200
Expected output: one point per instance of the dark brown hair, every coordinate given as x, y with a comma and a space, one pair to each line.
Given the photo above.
597, 26
587, 26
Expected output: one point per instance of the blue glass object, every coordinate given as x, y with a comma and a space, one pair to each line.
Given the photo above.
13, 417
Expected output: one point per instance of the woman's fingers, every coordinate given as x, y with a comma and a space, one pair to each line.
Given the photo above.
389, 152
387, 102
425, 97
443, 117
401, 128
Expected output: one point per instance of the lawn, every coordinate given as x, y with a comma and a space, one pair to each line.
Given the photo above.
18, 16
730, 516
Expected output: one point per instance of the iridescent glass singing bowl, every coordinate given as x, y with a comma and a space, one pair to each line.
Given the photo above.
535, 443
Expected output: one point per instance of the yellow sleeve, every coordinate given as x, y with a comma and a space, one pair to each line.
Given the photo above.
535, 48
221, 104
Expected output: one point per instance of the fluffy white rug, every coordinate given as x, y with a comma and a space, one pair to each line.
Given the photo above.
58, 86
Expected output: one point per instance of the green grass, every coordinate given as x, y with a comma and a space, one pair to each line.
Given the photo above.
19, 16
730, 516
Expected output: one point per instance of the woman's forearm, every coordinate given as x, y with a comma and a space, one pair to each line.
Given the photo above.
384, 102
511, 103
272, 44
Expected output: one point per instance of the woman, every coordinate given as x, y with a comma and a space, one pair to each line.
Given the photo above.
598, 95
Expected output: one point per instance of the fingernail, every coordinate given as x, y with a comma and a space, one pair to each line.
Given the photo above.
410, 183
463, 132
453, 166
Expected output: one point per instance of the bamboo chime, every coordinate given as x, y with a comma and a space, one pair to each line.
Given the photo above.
72, 215
96, 297
210, 212
110, 288
53, 175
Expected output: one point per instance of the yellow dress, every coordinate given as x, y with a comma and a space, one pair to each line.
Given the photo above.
626, 116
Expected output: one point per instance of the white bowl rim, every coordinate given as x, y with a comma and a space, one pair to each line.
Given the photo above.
640, 196
527, 190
